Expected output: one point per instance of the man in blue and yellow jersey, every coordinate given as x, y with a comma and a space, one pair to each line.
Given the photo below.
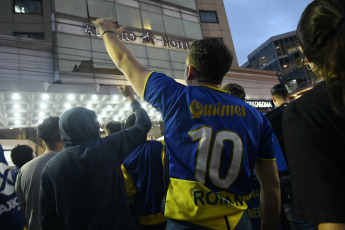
213, 140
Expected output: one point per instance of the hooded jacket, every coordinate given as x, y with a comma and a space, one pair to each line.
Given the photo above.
82, 187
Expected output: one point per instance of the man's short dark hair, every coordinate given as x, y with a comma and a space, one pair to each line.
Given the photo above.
211, 58
21, 154
130, 121
49, 131
113, 127
235, 90
280, 91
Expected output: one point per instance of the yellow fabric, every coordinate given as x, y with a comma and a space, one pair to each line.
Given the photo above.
218, 89
152, 219
203, 206
163, 143
263, 159
131, 189
146, 84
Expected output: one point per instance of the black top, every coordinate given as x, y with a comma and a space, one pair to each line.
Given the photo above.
315, 144
82, 187
276, 119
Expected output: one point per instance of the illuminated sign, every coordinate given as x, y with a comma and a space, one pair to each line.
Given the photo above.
261, 104
147, 38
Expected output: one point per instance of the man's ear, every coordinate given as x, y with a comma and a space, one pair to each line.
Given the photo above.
274, 99
191, 73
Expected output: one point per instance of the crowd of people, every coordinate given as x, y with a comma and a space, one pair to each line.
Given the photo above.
216, 147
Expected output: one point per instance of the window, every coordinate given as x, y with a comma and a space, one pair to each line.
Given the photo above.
38, 36
28, 6
208, 16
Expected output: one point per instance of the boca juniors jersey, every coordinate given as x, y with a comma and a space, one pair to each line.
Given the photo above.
213, 140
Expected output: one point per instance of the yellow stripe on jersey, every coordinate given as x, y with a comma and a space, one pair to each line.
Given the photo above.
148, 76
201, 205
157, 218
214, 88
263, 159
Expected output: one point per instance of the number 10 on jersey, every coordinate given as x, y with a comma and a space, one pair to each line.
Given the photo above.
212, 148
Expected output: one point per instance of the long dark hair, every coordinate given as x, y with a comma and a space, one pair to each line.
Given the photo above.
321, 34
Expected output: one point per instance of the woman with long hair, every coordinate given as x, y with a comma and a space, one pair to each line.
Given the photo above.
314, 125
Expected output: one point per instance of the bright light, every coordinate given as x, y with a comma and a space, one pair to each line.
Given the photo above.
104, 113
109, 107
16, 114
159, 116
94, 97
40, 121
295, 95
43, 106
262, 57
89, 106
41, 114
284, 66
67, 105
121, 112
17, 122
99, 119
277, 47
15, 96
45, 96
16, 106
71, 97
115, 118
116, 97
127, 105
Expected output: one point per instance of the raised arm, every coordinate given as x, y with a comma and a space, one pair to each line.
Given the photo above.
267, 173
133, 70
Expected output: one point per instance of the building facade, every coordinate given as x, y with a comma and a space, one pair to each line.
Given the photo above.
51, 57
280, 53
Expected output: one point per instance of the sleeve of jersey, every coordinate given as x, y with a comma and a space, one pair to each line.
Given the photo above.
266, 149
159, 90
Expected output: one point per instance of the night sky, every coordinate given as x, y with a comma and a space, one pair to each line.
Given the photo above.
252, 22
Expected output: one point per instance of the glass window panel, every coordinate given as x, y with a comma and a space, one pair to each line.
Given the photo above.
174, 26
37, 36
137, 50
128, 16
178, 66
159, 64
28, 6
153, 21
74, 52
178, 56
208, 16
158, 54
75, 7
176, 2
104, 8
192, 29
188, 4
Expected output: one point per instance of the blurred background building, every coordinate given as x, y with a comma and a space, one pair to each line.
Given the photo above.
51, 58
280, 53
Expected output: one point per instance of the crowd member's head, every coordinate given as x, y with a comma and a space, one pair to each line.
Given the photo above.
112, 127
280, 95
321, 36
21, 154
208, 60
49, 132
235, 90
130, 121
78, 125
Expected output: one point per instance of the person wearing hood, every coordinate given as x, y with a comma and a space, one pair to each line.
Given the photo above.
82, 187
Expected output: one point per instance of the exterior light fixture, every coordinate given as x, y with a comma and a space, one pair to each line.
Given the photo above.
45, 96
67, 105
71, 97
15, 96
16, 106
94, 97
43, 106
